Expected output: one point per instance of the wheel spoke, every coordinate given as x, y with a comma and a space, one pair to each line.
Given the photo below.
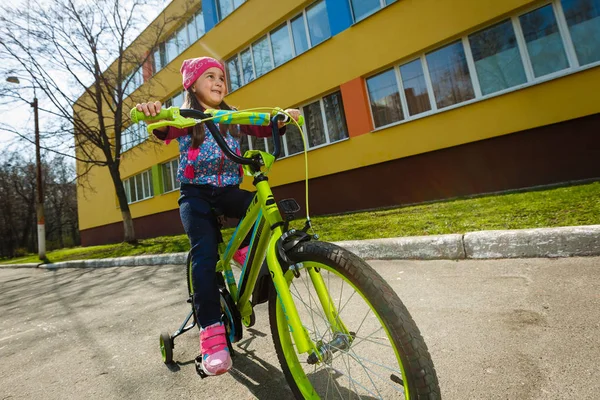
366, 338
354, 381
385, 379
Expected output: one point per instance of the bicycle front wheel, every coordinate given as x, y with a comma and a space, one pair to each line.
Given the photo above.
378, 354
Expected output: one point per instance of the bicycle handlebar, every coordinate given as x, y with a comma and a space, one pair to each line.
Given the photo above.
183, 118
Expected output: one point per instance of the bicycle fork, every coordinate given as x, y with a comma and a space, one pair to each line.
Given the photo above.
304, 344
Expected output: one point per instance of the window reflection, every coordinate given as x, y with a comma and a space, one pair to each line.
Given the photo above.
415, 88
544, 43
583, 19
318, 23
385, 98
450, 76
299, 34
497, 58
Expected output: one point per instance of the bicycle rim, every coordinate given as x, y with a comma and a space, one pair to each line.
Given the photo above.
363, 365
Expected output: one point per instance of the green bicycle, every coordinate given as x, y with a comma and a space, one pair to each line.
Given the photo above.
339, 329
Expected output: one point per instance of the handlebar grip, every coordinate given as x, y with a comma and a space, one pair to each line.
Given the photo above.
285, 118
166, 113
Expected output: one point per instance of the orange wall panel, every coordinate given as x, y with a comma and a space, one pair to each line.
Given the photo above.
356, 107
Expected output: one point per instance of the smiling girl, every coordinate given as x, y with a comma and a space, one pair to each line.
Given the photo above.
208, 180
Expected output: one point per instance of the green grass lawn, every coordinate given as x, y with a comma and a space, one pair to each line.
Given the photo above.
563, 206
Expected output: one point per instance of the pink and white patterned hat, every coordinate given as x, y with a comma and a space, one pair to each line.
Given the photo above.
192, 68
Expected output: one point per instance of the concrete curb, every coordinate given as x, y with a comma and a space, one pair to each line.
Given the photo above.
569, 241
436, 247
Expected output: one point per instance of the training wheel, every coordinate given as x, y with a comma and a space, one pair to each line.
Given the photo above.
249, 320
166, 347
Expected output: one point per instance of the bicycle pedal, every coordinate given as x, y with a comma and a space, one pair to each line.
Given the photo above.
199, 370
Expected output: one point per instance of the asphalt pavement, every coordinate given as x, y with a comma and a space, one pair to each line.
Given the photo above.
496, 329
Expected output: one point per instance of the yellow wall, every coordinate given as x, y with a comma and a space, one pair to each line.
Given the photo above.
403, 30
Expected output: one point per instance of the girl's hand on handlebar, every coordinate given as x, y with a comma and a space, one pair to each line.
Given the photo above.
150, 109
293, 112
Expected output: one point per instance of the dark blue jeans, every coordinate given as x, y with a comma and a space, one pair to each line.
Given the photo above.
200, 224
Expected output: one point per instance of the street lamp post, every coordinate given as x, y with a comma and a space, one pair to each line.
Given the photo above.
41, 223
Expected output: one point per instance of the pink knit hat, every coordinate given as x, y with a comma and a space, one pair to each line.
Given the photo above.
194, 67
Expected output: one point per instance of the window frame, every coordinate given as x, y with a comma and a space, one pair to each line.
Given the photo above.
140, 134
174, 165
146, 179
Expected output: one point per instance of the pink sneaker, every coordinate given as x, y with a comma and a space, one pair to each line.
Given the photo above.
216, 359
240, 256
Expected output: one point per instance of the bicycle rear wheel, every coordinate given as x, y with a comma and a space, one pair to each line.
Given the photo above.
383, 355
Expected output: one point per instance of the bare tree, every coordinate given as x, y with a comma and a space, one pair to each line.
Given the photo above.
61, 203
18, 195
79, 56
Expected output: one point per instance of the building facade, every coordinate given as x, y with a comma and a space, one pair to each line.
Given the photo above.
405, 101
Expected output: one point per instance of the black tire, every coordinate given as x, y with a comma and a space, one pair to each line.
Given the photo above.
402, 333
166, 347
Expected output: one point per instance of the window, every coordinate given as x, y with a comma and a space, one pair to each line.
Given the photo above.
293, 140
334, 115
583, 19
318, 23
385, 98
183, 41
314, 124
169, 175
257, 143
160, 58
133, 81
244, 144
226, 7
415, 87
171, 49
179, 99
192, 31
544, 43
282, 48
450, 75
497, 59
363, 8
262, 56
247, 67
199, 20
234, 79
139, 187
299, 34
132, 136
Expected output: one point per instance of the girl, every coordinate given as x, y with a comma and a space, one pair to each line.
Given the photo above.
208, 180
